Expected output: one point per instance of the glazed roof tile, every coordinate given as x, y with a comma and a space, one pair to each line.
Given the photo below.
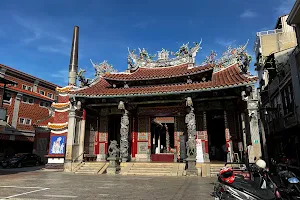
229, 77
158, 73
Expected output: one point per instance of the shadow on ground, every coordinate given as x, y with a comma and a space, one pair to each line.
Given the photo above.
8, 171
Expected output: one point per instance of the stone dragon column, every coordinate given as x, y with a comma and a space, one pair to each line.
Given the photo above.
167, 138
124, 130
190, 120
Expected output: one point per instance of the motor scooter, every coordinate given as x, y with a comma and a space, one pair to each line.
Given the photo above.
261, 188
288, 183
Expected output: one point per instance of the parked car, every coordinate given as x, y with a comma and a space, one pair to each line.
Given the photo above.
20, 160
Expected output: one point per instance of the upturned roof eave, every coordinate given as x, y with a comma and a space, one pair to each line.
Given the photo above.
251, 82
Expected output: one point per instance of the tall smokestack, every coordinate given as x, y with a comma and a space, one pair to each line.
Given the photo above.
73, 67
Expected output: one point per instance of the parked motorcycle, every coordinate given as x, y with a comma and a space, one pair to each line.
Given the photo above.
288, 183
231, 186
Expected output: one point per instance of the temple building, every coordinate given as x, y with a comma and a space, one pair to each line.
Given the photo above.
150, 108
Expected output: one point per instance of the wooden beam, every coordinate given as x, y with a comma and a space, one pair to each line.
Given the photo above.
216, 98
164, 101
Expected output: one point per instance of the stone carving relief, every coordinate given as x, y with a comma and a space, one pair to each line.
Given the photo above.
190, 120
124, 130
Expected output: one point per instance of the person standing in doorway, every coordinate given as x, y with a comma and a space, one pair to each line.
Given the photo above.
225, 151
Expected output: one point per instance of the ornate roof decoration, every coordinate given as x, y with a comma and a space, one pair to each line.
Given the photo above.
64, 89
144, 59
60, 105
230, 57
211, 59
56, 126
81, 78
103, 68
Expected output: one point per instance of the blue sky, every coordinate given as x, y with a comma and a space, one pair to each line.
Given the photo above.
35, 35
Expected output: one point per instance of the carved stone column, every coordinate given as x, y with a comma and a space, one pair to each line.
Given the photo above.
70, 140
167, 138
190, 120
124, 130
254, 130
82, 136
252, 106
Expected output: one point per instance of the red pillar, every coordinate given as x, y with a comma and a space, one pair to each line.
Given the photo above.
134, 136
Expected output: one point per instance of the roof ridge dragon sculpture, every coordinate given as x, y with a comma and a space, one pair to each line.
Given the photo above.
230, 56
144, 59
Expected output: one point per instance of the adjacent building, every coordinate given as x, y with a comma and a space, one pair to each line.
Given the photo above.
294, 61
26, 100
278, 105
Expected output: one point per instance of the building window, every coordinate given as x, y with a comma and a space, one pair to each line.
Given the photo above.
25, 121
7, 119
50, 95
42, 92
56, 98
288, 99
44, 104
7, 98
25, 87
28, 121
28, 100
21, 120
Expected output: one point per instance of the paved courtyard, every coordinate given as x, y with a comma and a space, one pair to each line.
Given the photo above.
30, 184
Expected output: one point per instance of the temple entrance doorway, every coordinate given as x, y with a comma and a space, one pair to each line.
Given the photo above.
216, 135
162, 139
114, 125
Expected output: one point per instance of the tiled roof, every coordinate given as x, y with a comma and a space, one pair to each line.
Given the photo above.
229, 77
27, 75
26, 92
44, 122
158, 73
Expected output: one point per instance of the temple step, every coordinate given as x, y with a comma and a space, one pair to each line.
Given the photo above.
91, 168
215, 169
153, 169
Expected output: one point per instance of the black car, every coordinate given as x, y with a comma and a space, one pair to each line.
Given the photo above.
20, 160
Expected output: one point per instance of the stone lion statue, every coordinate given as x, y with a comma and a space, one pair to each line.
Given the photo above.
113, 149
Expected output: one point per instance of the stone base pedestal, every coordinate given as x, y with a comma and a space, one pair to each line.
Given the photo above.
114, 165
101, 157
68, 166
191, 169
142, 157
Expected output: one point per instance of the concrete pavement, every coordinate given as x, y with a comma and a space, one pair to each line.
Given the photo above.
59, 185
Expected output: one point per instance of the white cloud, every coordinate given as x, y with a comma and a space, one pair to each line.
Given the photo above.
225, 43
53, 49
284, 7
248, 14
62, 76
36, 31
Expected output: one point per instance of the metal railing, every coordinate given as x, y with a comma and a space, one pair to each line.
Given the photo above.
269, 32
73, 168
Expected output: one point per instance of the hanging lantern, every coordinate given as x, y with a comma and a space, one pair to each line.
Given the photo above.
121, 105
189, 101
